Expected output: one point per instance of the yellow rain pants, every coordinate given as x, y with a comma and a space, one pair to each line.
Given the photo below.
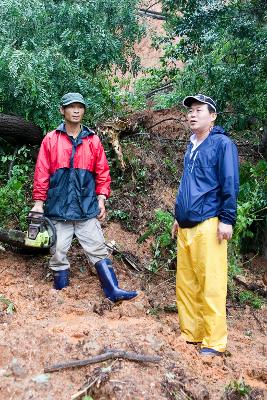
201, 285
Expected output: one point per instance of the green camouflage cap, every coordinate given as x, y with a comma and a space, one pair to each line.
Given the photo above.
70, 98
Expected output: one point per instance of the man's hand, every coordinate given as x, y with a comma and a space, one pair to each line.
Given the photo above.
102, 215
38, 207
175, 229
224, 231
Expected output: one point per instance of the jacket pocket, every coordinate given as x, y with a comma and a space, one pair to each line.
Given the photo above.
53, 203
206, 159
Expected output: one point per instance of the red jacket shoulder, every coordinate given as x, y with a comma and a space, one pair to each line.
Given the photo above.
48, 136
95, 140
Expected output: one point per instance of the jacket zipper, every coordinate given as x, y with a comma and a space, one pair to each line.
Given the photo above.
195, 156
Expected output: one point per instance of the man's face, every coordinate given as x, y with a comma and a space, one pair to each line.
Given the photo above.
73, 113
199, 118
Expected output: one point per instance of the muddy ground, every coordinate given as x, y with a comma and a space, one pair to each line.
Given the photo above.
49, 326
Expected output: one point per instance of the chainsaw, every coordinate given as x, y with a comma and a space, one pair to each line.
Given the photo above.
41, 233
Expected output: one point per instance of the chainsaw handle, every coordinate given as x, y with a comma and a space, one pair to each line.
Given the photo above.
34, 215
53, 229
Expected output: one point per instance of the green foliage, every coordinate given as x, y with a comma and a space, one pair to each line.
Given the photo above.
139, 171
48, 48
171, 165
250, 298
14, 204
223, 47
252, 204
250, 225
10, 307
155, 311
234, 269
238, 388
234, 266
118, 214
164, 247
137, 98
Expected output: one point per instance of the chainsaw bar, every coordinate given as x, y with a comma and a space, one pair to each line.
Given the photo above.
13, 237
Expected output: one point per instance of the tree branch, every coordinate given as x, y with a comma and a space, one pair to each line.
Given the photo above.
167, 87
252, 286
152, 5
110, 354
151, 14
163, 120
12, 162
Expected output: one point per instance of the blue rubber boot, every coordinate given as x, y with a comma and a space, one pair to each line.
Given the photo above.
61, 279
109, 282
206, 351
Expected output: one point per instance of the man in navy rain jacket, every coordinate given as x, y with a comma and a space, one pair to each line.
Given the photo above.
205, 213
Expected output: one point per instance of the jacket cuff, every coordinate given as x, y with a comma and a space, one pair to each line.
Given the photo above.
39, 198
226, 220
103, 192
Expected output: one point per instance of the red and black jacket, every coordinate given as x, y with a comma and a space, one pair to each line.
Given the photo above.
70, 173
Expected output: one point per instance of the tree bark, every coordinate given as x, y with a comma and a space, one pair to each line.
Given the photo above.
18, 131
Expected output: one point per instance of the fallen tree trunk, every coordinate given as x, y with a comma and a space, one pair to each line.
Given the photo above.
18, 131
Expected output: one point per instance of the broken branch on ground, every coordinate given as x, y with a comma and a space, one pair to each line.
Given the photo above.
108, 355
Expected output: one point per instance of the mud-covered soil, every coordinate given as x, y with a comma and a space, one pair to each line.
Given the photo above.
52, 326
49, 326
153, 156
153, 151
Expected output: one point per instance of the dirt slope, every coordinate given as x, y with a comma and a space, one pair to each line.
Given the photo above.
53, 326
76, 323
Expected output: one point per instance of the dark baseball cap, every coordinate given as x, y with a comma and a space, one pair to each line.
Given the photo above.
70, 98
187, 102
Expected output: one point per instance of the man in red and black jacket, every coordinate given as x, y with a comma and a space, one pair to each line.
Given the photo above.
71, 184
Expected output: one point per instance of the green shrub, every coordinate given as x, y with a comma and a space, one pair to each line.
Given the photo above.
250, 298
119, 215
164, 247
10, 307
238, 388
251, 222
13, 207
15, 193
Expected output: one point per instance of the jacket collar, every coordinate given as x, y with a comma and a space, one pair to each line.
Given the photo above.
218, 130
84, 132
215, 130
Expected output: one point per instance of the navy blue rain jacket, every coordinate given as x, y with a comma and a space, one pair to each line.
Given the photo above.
70, 173
210, 182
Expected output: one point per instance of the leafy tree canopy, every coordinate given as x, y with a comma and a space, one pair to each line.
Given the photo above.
223, 47
50, 47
